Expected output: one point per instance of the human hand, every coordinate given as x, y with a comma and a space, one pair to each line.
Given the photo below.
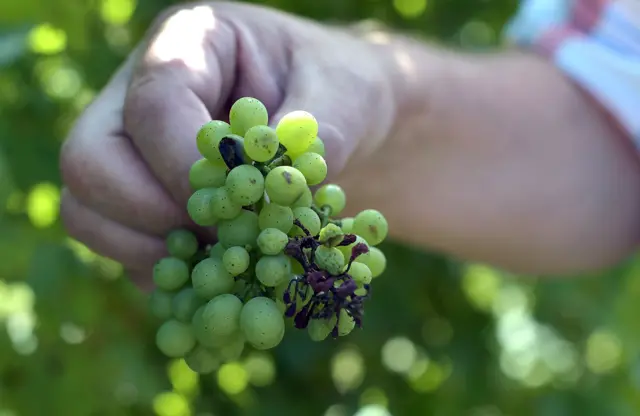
125, 164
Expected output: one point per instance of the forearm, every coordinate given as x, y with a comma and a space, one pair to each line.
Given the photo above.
501, 159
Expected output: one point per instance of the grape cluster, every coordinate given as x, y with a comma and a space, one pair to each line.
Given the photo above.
282, 253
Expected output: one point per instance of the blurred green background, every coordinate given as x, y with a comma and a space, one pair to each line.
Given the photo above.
440, 339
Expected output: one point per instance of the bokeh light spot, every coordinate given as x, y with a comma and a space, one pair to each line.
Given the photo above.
43, 205
46, 39
374, 396
232, 378
410, 8
171, 404
260, 369
347, 370
480, 284
117, 12
183, 379
399, 354
603, 352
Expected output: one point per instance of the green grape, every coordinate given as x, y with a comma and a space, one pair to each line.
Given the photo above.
347, 225
272, 241
206, 174
200, 328
316, 147
301, 299
261, 143
221, 316
160, 304
200, 207
222, 206
319, 329
217, 251
182, 244
330, 259
361, 291
332, 196
232, 349
297, 131
285, 185
375, 261
309, 220
236, 260
346, 250
245, 185
273, 270
360, 273
282, 307
312, 166
331, 235
245, 113
210, 278
305, 200
296, 267
185, 303
170, 273
239, 287
175, 339
261, 323
371, 225
209, 137
275, 216
241, 231
345, 324
202, 360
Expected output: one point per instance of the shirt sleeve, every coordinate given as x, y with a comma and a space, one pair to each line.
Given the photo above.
595, 42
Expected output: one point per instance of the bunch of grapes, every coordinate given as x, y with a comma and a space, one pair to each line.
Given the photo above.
281, 253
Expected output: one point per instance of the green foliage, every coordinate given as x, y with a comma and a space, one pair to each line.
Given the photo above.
439, 339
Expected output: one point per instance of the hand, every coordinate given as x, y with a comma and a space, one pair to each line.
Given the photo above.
126, 162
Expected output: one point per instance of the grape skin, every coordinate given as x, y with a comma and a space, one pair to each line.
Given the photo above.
360, 273
200, 207
170, 273
309, 220
261, 143
297, 130
305, 200
236, 260
262, 323
375, 260
319, 329
202, 360
273, 270
276, 216
210, 278
330, 259
241, 231
221, 316
185, 303
312, 166
245, 185
182, 244
333, 196
217, 250
245, 113
206, 174
175, 339
272, 241
209, 137
371, 225
285, 185
160, 304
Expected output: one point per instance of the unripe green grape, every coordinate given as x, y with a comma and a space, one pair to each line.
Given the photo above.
236, 260
347, 225
245, 185
202, 360
331, 235
217, 250
160, 304
346, 250
209, 137
272, 241
275, 216
261, 143
319, 329
332, 196
232, 349
297, 130
316, 147
375, 260
371, 225
175, 339
221, 316
182, 244
285, 185
360, 273
170, 273
309, 220
210, 278
245, 113
305, 200
273, 270
313, 167
206, 174
241, 231
296, 267
185, 303
222, 206
200, 328
345, 324
261, 323
200, 207
330, 259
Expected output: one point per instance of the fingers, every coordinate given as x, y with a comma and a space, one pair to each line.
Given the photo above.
105, 173
186, 72
135, 250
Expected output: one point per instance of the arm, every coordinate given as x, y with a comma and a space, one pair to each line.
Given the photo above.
502, 159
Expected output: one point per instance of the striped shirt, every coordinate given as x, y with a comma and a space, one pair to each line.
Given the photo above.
596, 43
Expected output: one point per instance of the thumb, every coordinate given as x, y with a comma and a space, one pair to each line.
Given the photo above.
340, 126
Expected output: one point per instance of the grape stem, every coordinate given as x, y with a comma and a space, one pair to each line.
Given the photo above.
324, 213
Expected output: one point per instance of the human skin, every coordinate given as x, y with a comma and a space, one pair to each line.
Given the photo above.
459, 153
